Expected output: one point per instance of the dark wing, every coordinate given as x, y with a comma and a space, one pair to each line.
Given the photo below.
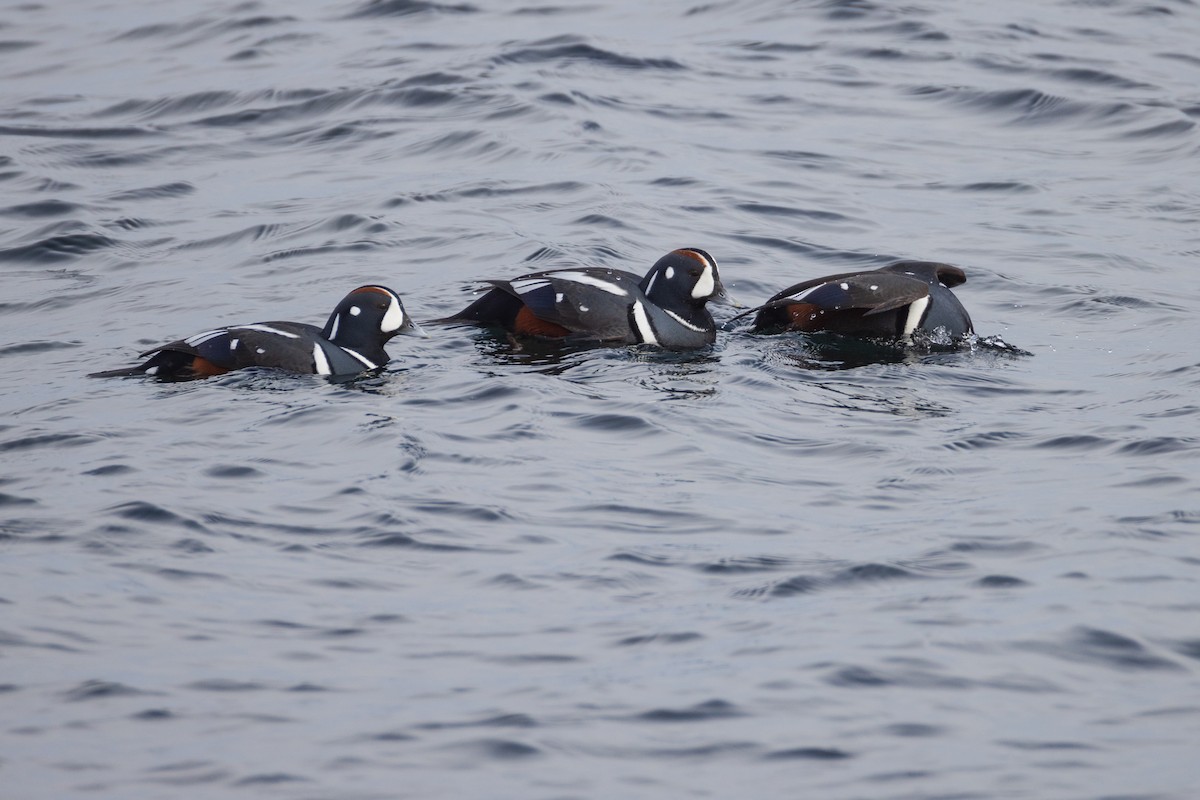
592, 302
929, 271
866, 292
284, 345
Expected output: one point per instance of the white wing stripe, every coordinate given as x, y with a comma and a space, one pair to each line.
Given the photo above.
266, 329
201, 338
590, 280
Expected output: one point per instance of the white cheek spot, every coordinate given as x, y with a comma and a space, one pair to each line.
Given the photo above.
393, 319
355, 311
845, 287
874, 288
670, 273
233, 343
583, 309
259, 350
558, 298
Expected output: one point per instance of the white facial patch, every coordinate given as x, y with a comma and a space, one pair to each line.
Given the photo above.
670, 273
320, 361
589, 280
642, 323
233, 343
705, 284
355, 311
915, 311
394, 317
266, 329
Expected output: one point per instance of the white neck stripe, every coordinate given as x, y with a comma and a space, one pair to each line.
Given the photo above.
366, 361
683, 321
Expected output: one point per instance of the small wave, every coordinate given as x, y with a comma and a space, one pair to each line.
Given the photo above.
123, 132
174, 189
660, 638
1159, 445
499, 749
24, 348
1105, 648
813, 214
986, 441
270, 779
809, 754
406, 8
569, 49
1000, 582
43, 208
710, 709
1028, 106
100, 690
1180, 127
1097, 77
37, 441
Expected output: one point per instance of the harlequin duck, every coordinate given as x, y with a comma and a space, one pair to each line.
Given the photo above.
665, 308
351, 342
891, 302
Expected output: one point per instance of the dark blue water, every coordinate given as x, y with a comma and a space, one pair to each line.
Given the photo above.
767, 567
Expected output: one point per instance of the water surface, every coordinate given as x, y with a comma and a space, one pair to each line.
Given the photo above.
544, 573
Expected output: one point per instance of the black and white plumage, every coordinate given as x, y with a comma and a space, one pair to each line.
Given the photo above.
667, 307
892, 302
351, 342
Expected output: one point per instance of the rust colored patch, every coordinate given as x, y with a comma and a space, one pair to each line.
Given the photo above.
805, 317
203, 368
692, 254
376, 289
525, 322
